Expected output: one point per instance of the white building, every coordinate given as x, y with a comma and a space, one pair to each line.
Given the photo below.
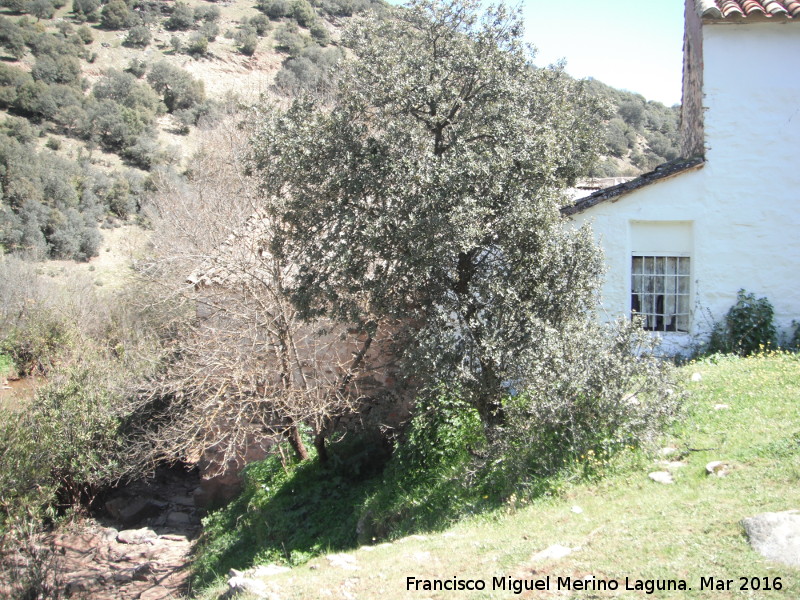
681, 241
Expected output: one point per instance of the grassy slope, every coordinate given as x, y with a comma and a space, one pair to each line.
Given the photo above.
630, 526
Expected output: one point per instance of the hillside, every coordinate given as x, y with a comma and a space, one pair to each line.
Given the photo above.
96, 99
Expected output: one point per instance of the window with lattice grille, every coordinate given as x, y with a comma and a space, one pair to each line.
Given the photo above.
660, 292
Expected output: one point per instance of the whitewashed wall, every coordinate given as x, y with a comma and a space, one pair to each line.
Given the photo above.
744, 204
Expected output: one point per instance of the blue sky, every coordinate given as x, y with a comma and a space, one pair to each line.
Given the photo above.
635, 45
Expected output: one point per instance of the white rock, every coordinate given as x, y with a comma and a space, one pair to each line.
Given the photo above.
667, 451
245, 585
577, 510
721, 406
343, 561
697, 377
266, 570
718, 468
775, 536
552, 552
664, 477
137, 536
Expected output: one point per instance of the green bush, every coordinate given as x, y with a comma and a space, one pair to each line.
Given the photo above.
274, 9
748, 328
246, 40
116, 15
138, 37
181, 19
86, 10
302, 12
198, 45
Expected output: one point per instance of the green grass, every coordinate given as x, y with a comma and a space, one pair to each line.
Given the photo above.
6, 365
628, 526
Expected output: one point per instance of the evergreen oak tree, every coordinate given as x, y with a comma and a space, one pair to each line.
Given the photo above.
428, 193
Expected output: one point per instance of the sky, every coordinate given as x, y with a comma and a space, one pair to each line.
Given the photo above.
635, 45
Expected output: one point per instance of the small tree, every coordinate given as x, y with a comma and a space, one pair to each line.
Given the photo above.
116, 15
429, 194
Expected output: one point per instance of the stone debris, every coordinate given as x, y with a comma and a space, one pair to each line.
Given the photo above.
246, 585
553, 552
664, 477
775, 535
718, 468
667, 451
722, 406
577, 510
697, 377
343, 561
145, 535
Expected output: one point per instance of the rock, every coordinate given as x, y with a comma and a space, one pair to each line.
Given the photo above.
178, 520
776, 536
130, 511
343, 561
721, 406
137, 536
555, 551
143, 571
667, 451
577, 510
718, 468
697, 377
174, 537
267, 570
664, 477
245, 585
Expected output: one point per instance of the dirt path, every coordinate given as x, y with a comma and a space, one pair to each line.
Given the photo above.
138, 549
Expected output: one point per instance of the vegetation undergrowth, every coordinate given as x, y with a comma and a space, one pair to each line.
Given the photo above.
290, 511
442, 471
741, 410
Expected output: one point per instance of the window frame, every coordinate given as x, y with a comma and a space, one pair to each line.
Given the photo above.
677, 296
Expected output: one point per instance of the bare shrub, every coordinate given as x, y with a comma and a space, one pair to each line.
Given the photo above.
245, 369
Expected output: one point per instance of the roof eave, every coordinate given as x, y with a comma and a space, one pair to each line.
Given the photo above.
661, 173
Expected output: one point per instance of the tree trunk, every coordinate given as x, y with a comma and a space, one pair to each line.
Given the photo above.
322, 449
296, 442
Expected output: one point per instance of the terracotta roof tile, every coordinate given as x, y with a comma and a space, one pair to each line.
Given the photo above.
748, 9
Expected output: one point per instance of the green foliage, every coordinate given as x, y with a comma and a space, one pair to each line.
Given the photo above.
116, 15
312, 71
209, 14
454, 162
34, 346
289, 39
430, 481
85, 34
178, 88
41, 9
198, 45
137, 67
302, 12
246, 40
138, 37
86, 10
261, 24
748, 328
58, 69
274, 9
289, 513
209, 30
319, 33
181, 19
